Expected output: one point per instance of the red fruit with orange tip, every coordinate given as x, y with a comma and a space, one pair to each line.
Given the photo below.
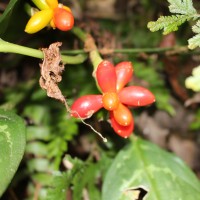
123, 131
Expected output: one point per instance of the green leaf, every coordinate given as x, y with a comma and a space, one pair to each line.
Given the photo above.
62, 181
143, 165
195, 40
156, 85
168, 23
184, 11
6, 16
184, 7
192, 82
196, 27
12, 146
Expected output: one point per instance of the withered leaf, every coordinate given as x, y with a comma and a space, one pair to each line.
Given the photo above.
51, 69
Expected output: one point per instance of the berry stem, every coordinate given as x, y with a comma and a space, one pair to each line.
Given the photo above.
89, 46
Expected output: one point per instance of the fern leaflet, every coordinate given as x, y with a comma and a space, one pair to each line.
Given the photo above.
184, 7
168, 23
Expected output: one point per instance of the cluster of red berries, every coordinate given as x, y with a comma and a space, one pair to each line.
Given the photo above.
115, 97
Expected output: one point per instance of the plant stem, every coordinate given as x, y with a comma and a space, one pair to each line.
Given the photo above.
79, 33
158, 50
90, 46
7, 47
95, 58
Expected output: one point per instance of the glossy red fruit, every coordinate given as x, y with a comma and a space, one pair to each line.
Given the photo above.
136, 96
110, 101
63, 19
85, 106
124, 72
123, 115
106, 76
123, 131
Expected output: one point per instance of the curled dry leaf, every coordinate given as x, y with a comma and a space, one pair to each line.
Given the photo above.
51, 69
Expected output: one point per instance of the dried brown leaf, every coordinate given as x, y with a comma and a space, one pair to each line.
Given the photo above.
51, 70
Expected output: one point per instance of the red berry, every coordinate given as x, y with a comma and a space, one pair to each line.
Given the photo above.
123, 131
136, 96
124, 72
63, 19
123, 115
106, 76
86, 105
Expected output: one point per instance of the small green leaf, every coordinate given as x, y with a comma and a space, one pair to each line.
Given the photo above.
168, 23
61, 181
196, 27
193, 82
144, 166
183, 7
183, 11
195, 40
12, 145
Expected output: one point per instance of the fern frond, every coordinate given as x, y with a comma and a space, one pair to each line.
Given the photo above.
196, 27
194, 42
168, 23
193, 82
184, 7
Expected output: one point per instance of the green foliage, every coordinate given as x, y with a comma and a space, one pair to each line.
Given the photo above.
195, 40
8, 20
195, 125
12, 145
168, 23
5, 17
192, 82
183, 11
144, 165
79, 178
184, 7
61, 158
156, 85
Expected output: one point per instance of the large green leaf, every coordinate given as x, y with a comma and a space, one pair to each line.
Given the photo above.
5, 17
12, 21
12, 145
144, 166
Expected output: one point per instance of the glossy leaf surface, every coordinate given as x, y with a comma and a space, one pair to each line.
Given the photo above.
86, 105
136, 96
144, 165
12, 146
124, 72
106, 76
123, 131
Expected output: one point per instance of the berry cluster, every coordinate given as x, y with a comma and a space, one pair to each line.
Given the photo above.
115, 97
50, 13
